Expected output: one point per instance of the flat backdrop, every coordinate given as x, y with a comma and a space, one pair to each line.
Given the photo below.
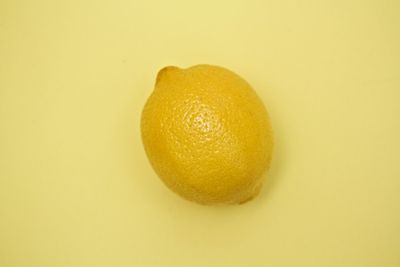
76, 189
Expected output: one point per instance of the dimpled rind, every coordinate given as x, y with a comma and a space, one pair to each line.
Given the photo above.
207, 134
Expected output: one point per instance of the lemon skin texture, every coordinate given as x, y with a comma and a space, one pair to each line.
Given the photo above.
207, 134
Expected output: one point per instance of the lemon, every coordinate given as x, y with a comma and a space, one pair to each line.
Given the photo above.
207, 134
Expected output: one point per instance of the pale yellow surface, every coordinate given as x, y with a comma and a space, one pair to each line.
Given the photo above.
77, 190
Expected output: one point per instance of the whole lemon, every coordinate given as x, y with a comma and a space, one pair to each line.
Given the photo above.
207, 134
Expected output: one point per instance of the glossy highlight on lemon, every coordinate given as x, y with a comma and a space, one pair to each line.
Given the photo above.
207, 134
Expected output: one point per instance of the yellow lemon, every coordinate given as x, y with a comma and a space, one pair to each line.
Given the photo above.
207, 134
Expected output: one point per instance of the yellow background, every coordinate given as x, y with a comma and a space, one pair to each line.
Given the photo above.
76, 188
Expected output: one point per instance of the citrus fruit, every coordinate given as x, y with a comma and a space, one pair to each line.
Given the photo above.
207, 134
